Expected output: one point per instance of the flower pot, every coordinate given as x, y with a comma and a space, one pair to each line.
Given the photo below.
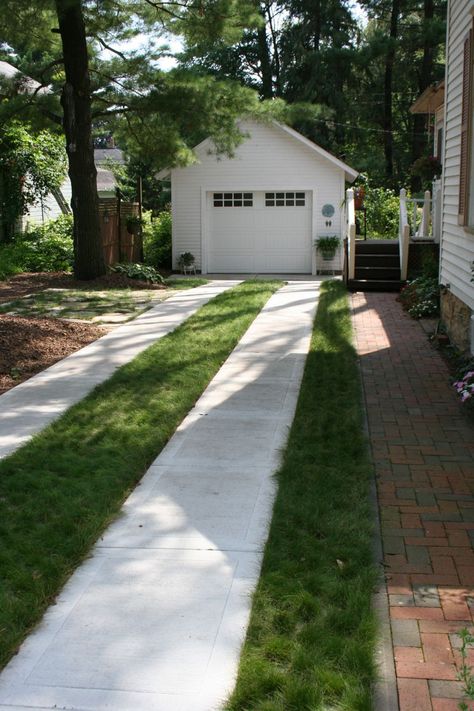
328, 256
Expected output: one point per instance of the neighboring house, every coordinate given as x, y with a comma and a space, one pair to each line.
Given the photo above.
431, 103
457, 227
261, 210
58, 203
18, 82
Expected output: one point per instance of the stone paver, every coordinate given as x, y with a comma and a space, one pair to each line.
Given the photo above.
423, 452
29, 407
154, 620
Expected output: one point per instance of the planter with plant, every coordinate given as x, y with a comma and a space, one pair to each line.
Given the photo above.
328, 246
134, 224
186, 261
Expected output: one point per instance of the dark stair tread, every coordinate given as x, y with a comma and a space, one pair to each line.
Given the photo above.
375, 284
377, 260
373, 247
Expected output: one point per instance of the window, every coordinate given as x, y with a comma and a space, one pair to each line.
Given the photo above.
285, 199
233, 199
466, 171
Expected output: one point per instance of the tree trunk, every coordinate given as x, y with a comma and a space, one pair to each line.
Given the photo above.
265, 61
76, 103
388, 89
425, 80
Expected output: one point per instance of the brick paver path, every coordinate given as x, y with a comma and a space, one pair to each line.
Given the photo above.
423, 450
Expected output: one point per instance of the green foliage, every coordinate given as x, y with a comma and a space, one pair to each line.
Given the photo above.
420, 297
186, 259
382, 210
143, 272
465, 672
328, 244
45, 248
157, 239
30, 167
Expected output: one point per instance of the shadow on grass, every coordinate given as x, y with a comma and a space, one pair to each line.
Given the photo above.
58, 492
310, 644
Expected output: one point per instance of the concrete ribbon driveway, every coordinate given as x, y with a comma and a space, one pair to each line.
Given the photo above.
155, 619
29, 407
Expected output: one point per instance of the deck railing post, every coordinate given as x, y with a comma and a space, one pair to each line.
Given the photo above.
426, 215
403, 235
351, 233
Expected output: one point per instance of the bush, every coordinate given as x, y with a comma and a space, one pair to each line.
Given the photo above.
144, 272
157, 239
45, 248
420, 297
382, 210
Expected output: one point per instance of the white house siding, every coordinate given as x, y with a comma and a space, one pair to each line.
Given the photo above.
270, 160
50, 210
457, 246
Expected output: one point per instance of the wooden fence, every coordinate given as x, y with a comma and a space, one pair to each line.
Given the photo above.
121, 241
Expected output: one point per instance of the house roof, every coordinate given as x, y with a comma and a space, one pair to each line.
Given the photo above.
350, 173
105, 180
101, 155
25, 84
430, 100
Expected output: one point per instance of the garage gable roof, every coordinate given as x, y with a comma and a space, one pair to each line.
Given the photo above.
349, 173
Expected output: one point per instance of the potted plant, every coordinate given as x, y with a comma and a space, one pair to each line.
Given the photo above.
134, 224
328, 246
186, 262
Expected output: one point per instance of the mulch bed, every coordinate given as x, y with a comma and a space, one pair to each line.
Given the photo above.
23, 284
29, 345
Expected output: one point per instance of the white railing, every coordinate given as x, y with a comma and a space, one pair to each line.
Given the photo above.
350, 233
420, 217
436, 211
403, 234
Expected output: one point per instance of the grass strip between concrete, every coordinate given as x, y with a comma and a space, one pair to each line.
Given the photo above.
59, 491
311, 641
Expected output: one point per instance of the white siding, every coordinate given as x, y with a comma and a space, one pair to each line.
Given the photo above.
50, 210
269, 160
457, 245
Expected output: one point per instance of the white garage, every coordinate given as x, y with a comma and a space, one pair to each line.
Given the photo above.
260, 211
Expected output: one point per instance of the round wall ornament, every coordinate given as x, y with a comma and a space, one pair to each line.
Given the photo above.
328, 210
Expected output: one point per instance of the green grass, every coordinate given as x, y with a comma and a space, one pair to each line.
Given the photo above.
87, 304
187, 283
310, 644
59, 491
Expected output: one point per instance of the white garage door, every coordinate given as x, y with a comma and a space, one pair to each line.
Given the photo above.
260, 232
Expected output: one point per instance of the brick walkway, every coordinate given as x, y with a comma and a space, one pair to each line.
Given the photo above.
423, 450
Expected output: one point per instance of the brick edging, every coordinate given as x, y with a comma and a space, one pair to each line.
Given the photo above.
385, 693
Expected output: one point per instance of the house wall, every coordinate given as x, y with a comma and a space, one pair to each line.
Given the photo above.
269, 160
457, 243
50, 210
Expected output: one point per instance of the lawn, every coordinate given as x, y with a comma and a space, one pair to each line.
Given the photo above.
59, 491
97, 305
310, 644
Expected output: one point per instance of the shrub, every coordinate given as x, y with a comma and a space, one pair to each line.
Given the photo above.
44, 248
157, 239
382, 211
143, 272
420, 297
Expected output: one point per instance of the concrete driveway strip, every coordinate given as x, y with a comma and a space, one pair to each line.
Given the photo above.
155, 619
29, 407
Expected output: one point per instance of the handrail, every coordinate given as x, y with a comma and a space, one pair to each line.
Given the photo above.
351, 233
403, 235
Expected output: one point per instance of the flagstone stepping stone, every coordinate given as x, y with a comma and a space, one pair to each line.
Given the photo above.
111, 318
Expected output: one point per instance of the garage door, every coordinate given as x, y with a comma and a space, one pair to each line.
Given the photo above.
260, 232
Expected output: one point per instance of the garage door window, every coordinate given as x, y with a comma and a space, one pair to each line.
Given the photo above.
233, 199
284, 199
